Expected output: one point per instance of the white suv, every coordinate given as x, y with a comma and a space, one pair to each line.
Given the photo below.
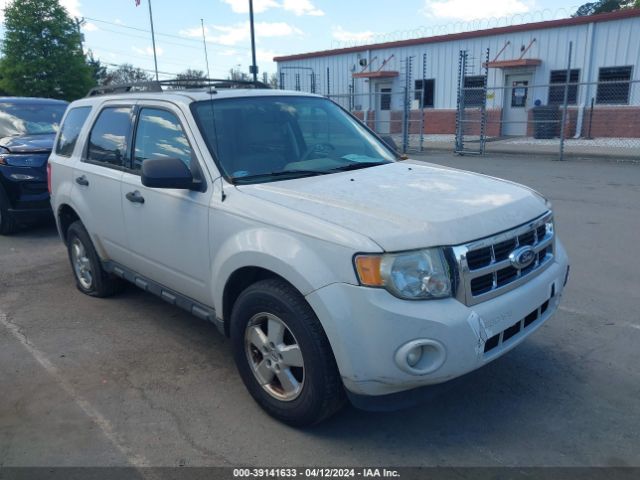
336, 270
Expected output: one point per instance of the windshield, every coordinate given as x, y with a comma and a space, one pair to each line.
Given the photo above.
29, 119
263, 139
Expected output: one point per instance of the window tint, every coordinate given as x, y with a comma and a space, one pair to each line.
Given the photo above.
556, 93
260, 135
425, 92
70, 130
160, 135
110, 136
613, 85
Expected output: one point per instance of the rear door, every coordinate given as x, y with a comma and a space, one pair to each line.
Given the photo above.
97, 179
167, 232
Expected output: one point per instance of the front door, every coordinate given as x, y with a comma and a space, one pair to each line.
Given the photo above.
167, 229
516, 104
383, 108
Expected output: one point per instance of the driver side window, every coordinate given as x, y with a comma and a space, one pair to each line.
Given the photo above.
160, 135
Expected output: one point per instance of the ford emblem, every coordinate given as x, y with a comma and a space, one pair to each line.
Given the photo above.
522, 257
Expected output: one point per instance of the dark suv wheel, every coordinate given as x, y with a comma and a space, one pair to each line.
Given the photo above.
283, 354
91, 278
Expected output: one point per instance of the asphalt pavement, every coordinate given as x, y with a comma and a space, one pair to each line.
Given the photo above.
131, 380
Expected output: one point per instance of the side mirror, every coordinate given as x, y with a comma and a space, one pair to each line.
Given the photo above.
166, 173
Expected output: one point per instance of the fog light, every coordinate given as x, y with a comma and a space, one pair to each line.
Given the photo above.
421, 356
414, 356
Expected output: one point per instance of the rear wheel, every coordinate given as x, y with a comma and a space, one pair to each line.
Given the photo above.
283, 355
91, 278
8, 224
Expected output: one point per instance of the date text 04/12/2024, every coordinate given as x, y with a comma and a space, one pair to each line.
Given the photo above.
315, 473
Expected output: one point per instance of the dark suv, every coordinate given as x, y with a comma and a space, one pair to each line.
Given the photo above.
27, 131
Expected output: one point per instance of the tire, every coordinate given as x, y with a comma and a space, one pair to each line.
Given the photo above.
319, 392
8, 224
84, 259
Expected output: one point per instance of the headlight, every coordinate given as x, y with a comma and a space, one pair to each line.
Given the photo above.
416, 275
24, 160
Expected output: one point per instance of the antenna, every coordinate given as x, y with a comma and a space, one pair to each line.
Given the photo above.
204, 41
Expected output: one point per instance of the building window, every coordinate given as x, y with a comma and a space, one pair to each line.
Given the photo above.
385, 99
474, 91
613, 85
425, 91
556, 93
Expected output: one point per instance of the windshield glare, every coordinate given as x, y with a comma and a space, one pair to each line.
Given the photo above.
29, 119
254, 138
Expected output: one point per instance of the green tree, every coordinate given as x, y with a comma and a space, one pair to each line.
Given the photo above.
42, 52
190, 78
604, 6
97, 68
126, 73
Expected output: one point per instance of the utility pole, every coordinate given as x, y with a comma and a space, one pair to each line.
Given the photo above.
254, 68
153, 41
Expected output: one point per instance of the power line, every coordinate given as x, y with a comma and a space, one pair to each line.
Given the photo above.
163, 34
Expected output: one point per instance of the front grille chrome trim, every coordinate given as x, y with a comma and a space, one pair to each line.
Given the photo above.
466, 274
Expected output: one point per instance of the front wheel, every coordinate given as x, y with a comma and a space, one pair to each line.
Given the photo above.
283, 355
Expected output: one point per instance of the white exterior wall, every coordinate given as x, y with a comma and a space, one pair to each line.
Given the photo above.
595, 45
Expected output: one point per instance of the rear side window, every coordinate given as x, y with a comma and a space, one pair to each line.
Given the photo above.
70, 130
160, 135
109, 137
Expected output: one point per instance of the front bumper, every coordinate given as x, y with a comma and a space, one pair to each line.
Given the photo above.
369, 329
26, 191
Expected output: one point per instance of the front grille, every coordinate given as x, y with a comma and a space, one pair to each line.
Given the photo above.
484, 266
504, 336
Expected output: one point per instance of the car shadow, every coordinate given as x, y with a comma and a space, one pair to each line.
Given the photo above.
524, 387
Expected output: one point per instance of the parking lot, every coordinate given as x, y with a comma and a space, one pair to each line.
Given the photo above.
132, 380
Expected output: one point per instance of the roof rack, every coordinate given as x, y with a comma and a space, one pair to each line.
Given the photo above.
175, 84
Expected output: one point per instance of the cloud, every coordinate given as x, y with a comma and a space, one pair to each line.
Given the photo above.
343, 35
90, 27
297, 7
259, 6
72, 6
302, 7
266, 55
473, 9
147, 51
239, 32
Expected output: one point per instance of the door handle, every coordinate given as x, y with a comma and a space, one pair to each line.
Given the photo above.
82, 180
135, 197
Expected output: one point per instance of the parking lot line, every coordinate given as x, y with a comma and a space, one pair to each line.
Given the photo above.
134, 459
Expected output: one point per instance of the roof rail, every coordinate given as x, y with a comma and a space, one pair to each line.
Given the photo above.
175, 84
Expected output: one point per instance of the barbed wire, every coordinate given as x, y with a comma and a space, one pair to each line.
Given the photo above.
459, 27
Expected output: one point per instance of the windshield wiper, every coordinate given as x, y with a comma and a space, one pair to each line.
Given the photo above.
280, 173
356, 166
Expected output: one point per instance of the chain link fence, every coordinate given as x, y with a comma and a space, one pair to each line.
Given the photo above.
559, 117
516, 118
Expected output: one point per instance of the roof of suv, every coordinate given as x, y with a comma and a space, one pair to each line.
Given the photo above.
190, 96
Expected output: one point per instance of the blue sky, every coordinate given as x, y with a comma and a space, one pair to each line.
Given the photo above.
117, 31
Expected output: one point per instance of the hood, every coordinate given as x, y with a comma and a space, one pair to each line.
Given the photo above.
29, 143
403, 206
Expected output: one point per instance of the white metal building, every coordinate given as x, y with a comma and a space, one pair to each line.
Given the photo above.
525, 61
